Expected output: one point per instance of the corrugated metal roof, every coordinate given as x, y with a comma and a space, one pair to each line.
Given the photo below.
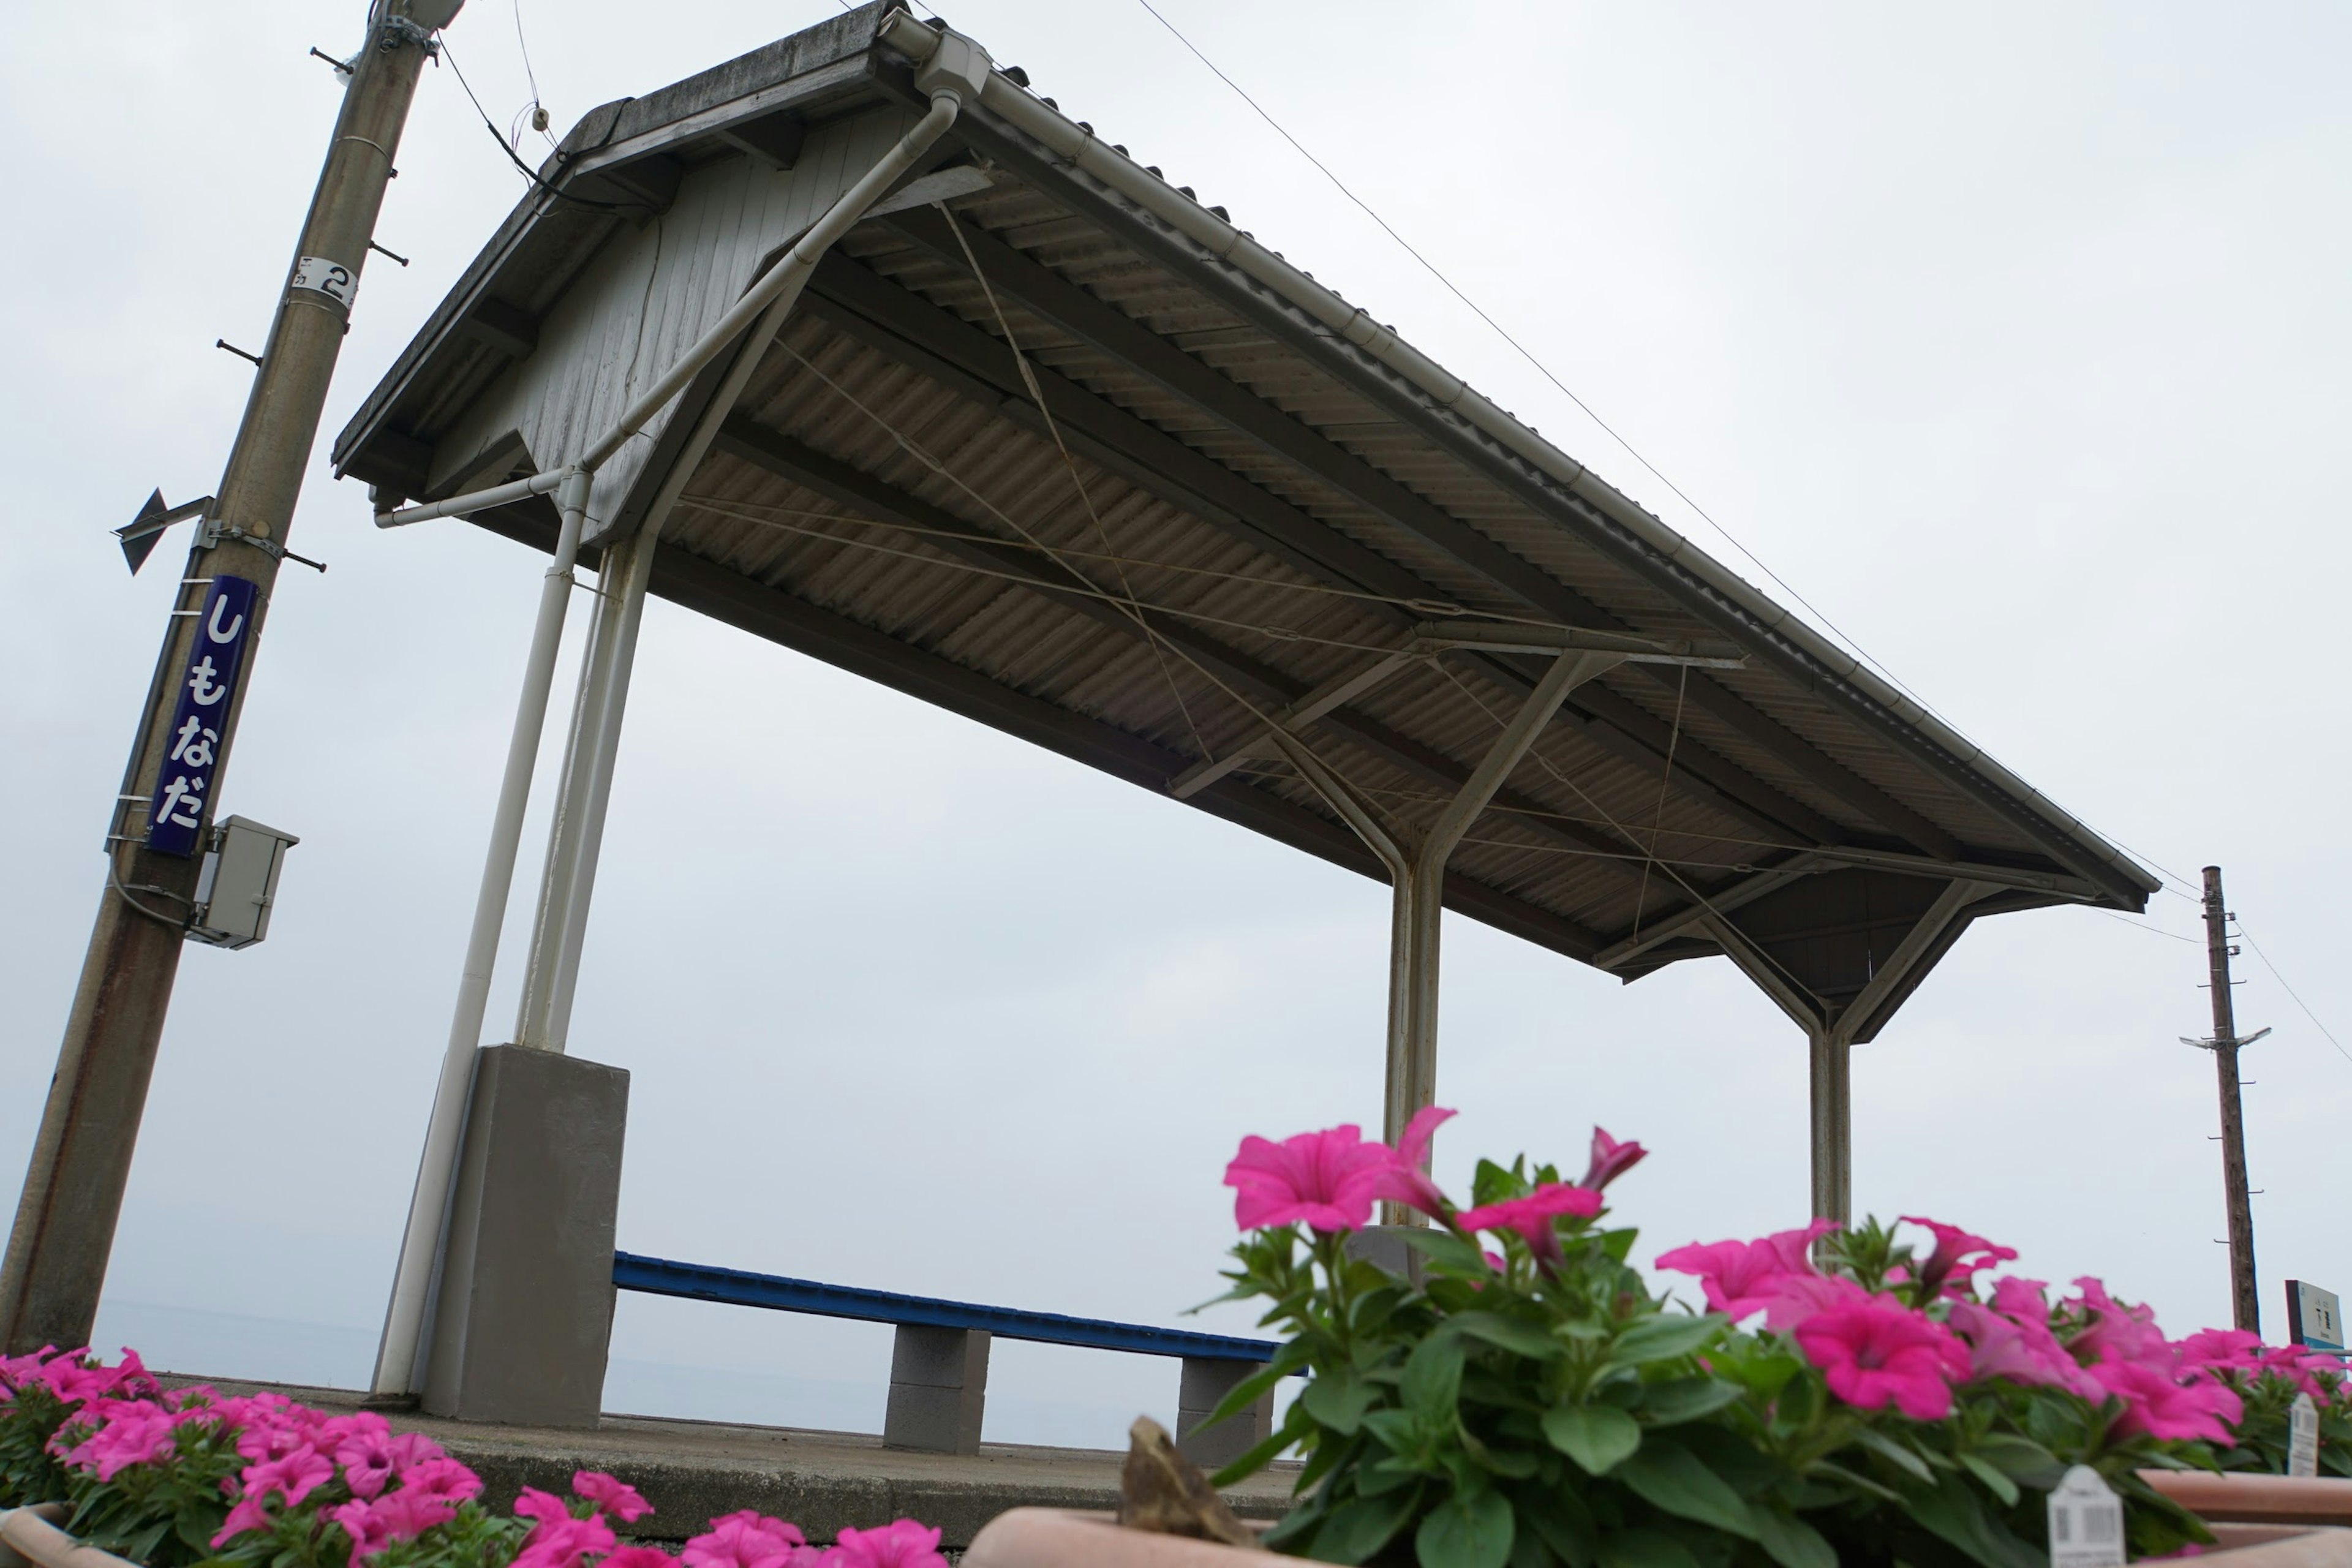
1243, 512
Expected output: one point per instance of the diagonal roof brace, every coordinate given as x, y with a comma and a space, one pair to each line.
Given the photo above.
1695, 653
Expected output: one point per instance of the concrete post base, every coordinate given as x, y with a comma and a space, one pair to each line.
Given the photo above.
1384, 1246
939, 1390
523, 1313
1203, 1386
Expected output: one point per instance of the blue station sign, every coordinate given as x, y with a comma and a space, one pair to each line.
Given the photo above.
207, 692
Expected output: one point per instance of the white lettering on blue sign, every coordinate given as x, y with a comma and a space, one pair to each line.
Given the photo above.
199, 720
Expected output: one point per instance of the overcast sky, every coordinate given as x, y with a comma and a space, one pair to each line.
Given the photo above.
2014, 338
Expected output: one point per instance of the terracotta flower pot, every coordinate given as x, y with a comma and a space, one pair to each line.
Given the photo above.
30, 1536
2253, 1499
1063, 1538
1056, 1538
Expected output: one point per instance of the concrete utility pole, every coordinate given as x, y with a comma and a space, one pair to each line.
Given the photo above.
2244, 1299
58, 1251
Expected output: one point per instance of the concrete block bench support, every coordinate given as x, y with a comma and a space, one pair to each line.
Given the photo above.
939, 1389
1201, 1386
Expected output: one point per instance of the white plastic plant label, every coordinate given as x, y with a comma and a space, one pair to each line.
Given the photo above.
332, 278
2086, 1522
2302, 1436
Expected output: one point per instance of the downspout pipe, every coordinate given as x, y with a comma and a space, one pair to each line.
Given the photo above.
952, 70
1081, 150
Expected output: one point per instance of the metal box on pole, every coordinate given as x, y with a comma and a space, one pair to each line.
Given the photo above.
239, 882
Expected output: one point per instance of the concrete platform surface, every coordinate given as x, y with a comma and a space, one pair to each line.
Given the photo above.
822, 1481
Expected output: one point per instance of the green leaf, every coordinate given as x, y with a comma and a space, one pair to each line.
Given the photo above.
1895, 1453
1597, 1436
1490, 1184
2000, 1485
1512, 1462
1355, 1529
1397, 1430
1664, 1336
1822, 1469
1672, 1479
1562, 1521
1338, 1399
1447, 1250
1286, 1360
1790, 1541
1387, 1476
1466, 1531
2019, 1459
1952, 1512
1433, 1379
1258, 1458
1507, 1333
1685, 1399
1644, 1549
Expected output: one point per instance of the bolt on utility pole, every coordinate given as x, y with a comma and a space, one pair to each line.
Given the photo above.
2245, 1300
57, 1249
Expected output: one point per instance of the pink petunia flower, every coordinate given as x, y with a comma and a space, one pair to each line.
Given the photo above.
2027, 1353
544, 1507
408, 1513
2228, 1350
294, 1477
616, 1498
746, 1540
565, 1543
902, 1543
1407, 1180
1610, 1160
639, 1557
249, 1514
1533, 1216
1743, 1278
410, 1449
1327, 1179
368, 1532
2118, 1332
445, 1477
1875, 1351
1957, 1255
2156, 1404
367, 1462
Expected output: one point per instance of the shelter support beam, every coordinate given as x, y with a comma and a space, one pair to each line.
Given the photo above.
1417, 876
1831, 1025
397, 1366
1833, 1125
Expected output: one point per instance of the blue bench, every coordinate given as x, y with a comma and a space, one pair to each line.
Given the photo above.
939, 1361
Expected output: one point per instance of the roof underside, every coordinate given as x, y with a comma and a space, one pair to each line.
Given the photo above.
1193, 508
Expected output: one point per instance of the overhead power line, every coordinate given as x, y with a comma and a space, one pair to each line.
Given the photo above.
1525, 353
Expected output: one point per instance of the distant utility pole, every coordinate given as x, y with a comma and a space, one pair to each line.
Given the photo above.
2245, 1300
57, 1256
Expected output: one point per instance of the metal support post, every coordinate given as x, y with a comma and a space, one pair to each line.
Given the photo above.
577, 842
395, 1364
63, 1231
1833, 1124
572, 792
